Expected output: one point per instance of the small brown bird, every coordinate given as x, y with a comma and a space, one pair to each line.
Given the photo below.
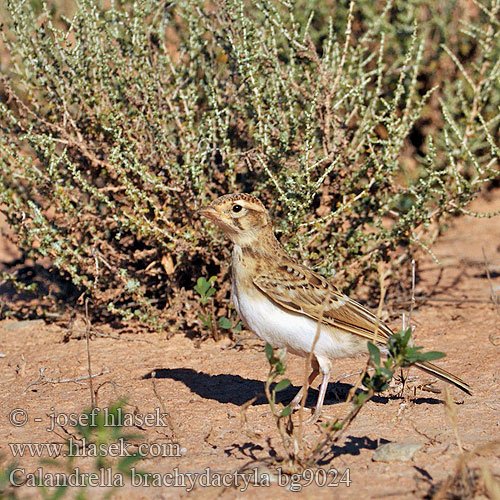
282, 301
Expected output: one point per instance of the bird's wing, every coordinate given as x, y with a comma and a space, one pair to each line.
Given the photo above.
298, 289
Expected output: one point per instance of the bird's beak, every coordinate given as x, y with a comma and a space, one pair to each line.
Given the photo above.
208, 212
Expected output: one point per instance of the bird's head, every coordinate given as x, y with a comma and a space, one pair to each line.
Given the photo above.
242, 217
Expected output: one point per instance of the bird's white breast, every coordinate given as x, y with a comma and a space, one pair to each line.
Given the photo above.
285, 329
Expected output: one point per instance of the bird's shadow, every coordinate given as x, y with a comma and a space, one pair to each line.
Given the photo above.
227, 388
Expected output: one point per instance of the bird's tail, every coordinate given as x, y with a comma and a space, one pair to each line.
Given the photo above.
444, 375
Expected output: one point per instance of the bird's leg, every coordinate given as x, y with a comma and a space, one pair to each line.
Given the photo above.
295, 403
325, 368
321, 397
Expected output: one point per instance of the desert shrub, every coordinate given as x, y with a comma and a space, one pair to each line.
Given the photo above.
361, 125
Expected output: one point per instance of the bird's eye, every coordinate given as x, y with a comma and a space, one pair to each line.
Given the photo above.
237, 208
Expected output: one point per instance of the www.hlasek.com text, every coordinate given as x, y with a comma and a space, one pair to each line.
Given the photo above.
82, 448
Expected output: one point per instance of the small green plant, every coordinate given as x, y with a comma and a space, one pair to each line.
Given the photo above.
277, 367
400, 354
206, 290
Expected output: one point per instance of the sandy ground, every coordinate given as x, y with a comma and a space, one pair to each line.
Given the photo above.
204, 389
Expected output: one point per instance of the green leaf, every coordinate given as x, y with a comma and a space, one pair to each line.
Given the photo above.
224, 323
406, 336
431, 355
280, 367
269, 352
285, 412
336, 426
374, 353
282, 384
202, 286
361, 398
206, 320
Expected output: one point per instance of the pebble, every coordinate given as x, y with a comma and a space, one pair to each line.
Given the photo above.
389, 452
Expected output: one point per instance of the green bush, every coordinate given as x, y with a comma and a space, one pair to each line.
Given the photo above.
361, 125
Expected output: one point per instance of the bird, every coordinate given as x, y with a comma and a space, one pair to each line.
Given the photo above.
282, 300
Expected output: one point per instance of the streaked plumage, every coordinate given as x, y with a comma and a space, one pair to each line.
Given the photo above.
282, 301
